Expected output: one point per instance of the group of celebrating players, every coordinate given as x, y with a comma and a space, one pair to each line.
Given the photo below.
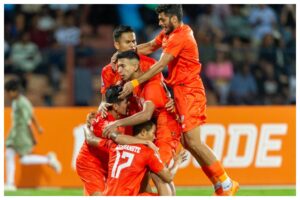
135, 134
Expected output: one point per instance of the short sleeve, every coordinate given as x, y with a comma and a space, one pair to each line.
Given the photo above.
159, 38
105, 144
174, 45
154, 162
153, 91
105, 80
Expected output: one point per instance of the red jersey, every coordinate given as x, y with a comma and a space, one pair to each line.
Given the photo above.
97, 155
153, 90
185, 67
127, 167
110, 76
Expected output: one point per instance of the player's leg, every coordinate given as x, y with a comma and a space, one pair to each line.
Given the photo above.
163, 188
10, 169
34, 159
210, 165
145, 184
190, 103
91, 175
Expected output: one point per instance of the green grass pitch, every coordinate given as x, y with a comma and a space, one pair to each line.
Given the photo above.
181, 191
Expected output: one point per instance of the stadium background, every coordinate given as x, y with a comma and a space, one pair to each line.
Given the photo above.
248, 54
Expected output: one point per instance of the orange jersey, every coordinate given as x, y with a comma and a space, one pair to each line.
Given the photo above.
96, 155
110, 76
185, 66
127, 167
154, 91
91, 162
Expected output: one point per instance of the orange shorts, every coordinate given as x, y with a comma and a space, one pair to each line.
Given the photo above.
168, 134
190, 101
92, 175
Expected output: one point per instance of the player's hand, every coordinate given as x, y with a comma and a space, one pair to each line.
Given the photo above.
88, 134
89, 118
181, 157
113, 61
40, 130
127, 89
90, 138
103, 109
153, 147
170, 106
111, 127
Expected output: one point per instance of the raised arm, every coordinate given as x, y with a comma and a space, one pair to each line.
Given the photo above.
94, 141
168, 174
154, 69
138, 118
147, 48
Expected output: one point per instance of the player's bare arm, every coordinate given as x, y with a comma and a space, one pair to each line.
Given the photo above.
90, 117
170, 105
36, 123
138, 118
168, 174
147, 48
154, 69
93, 140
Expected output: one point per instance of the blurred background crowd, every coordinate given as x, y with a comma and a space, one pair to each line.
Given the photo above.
248, 52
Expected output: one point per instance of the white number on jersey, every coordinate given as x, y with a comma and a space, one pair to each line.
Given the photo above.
118, 168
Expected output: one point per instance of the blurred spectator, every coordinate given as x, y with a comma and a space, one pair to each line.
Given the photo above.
63, 7
40, 37
243, 89
45, 21
128, 12
236, 24
253, 35
210, 24
25, 55
263, 20
83, 83
206, 47
68, 33
220, 72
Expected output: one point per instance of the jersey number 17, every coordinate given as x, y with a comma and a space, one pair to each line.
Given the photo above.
116, 170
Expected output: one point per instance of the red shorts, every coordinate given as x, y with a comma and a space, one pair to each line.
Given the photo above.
190, 101
168, 134
91, 174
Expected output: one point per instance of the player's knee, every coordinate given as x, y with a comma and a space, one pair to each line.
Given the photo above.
194, 145
98, 193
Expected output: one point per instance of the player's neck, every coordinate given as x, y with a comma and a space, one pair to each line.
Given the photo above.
137, 74
177, 25
114, 114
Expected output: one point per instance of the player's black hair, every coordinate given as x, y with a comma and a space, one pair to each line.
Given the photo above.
130, 54
13, 85
120, 30
112, 94
138, 128
170, 10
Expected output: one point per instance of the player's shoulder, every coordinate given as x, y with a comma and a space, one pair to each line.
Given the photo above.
107, 68
144, 58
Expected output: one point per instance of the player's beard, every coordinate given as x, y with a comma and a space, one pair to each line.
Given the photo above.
170, 28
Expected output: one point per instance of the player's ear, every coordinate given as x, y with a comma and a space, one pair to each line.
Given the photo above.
115, 106
174, 19
143, 132
136, 67
117, 45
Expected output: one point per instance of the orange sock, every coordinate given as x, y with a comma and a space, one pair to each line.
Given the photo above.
215, 172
